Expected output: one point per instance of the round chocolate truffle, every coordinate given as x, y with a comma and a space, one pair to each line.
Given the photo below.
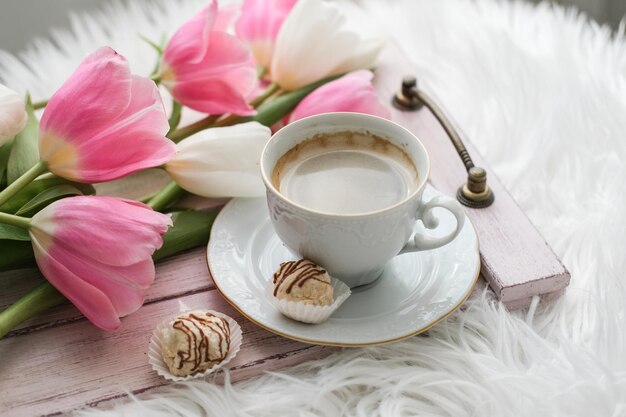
195, 341
303, 281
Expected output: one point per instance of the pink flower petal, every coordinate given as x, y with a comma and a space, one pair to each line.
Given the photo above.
138, 276
92, 302
104, 123
116, 283
110, 229
139, 131
216, 95
98, 91
259, 24
224, 54
227, 17
97, 252
351, 93
218, 82
190, 42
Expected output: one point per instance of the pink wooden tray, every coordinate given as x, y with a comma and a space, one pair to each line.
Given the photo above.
58, 362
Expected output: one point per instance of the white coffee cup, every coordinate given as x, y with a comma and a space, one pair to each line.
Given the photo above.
354, 247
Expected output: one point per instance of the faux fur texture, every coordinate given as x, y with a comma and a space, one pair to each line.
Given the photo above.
542, 94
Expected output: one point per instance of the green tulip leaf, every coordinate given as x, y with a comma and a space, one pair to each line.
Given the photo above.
29, 192
46, 197
16, 254
10, 232
5, 151
25, 150
191, 229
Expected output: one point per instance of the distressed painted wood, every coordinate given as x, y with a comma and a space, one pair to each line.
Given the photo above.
482, 285
76, 364
516, 260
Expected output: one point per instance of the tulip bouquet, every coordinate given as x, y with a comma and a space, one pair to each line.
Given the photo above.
276, 62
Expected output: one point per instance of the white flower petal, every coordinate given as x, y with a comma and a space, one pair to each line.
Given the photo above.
13, 114
315, 42
221, 162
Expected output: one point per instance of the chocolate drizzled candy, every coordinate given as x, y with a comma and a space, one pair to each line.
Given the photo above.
195, 341
303, 281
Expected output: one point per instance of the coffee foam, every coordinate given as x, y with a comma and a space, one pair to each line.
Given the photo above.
345, 172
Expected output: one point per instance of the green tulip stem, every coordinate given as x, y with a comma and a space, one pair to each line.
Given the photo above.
261, 71
28, 177
35, 302
186, 131
40, 104
146, 198
13, 220
271, 89
158, 48
231, 119
161, 200
174, 119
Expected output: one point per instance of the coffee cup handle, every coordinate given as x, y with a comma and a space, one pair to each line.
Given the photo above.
420, 241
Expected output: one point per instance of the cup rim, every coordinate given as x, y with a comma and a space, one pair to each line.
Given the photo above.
292, 125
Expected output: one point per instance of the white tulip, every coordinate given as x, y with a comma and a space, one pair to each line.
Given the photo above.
13, 114
315, 42
222, 161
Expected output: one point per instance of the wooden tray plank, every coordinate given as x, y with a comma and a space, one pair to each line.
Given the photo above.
183, 274
516, 260
69, 366
481, 284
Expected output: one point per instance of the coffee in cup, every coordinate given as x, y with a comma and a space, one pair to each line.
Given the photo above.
345, 172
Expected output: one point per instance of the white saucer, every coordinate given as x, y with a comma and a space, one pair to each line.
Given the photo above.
416, 291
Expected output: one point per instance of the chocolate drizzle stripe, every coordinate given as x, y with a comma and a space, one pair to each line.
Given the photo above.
198, 351
184, 356
302, 271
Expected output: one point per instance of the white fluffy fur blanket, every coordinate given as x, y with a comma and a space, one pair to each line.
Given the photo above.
542, 93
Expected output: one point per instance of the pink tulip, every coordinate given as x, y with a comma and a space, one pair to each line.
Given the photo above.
353, 92
227, 17
207, 70
97, 252
259, 24
104, 123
